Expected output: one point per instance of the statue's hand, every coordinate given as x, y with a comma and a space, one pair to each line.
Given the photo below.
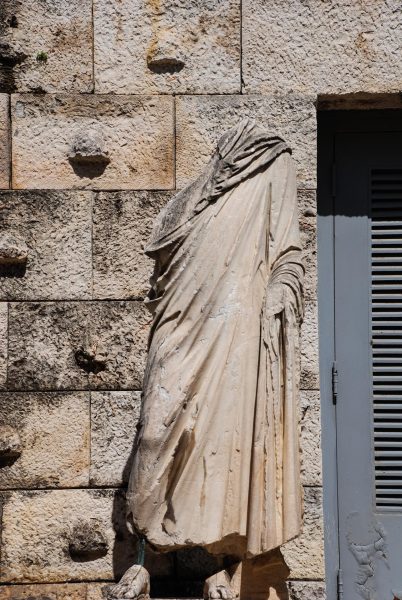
275, 299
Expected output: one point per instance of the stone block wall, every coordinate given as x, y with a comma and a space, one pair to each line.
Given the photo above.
147, 87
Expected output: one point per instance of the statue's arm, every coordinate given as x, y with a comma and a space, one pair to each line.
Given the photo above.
285, 286
285, 280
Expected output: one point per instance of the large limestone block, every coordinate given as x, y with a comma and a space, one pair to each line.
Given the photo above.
99, 591
45, 591
53, 434
308, 229
87, 141
77, 345
64, 535
61, 591
306, 590
321, 47
45, 245
305, 554
179, 46
122, 225
46, 46
201, 120
5, 154
310, 438
3, 342
114, 417
309, 348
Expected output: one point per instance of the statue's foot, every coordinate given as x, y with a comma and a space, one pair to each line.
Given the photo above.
134, 585
219, 586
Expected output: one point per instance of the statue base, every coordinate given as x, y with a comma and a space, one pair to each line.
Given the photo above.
260, 578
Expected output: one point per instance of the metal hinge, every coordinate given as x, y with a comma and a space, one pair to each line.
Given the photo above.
334, 383
339, 584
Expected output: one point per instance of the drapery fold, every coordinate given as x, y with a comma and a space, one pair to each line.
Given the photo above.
217, 458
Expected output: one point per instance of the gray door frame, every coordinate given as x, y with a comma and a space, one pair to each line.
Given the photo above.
329, 124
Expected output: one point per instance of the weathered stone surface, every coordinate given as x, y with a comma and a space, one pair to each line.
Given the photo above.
201, 120
306, 590
321, 47
309, 348
310, 438
298, 590
45, 591
3, 342
39, 526
54, 439
46, 47
121, 228
98, 591
180, 46
308, 229
114, 416
5, 153
136, 132
305, 554
52, 230
77, 345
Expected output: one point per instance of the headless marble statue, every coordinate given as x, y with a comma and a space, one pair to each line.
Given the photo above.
217, 456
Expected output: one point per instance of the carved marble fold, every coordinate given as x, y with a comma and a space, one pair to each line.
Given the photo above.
217, 455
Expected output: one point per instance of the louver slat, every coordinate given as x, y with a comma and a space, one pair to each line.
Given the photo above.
386, 330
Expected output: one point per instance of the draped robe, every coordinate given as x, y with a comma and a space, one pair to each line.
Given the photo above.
217, 455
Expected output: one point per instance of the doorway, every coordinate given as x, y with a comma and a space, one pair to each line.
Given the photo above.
360, 319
